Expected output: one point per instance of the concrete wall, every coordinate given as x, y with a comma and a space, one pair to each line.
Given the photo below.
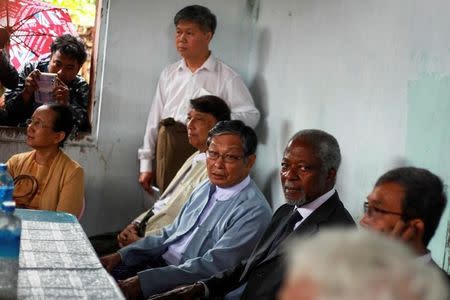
372, 73
137, 41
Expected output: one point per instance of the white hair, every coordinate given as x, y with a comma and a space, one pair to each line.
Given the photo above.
357, 264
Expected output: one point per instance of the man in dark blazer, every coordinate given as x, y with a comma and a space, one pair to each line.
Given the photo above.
308, 175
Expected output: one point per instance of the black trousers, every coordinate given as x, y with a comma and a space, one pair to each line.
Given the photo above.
105, 243
122, 271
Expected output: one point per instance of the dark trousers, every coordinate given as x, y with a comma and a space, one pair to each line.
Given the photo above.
122, 271
172, 150
105, 243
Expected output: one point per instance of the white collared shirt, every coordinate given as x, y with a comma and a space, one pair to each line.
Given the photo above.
306, 210
177, 85
173, 254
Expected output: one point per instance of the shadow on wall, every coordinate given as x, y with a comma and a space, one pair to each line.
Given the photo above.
268, 188
258, 87
274, 175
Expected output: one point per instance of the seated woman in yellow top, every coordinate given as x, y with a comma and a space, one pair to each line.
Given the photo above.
46, 178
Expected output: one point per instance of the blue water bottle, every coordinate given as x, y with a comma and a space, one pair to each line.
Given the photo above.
10, 230
6, 184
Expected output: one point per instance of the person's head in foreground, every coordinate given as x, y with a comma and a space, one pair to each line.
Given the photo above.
407, 202
343, 264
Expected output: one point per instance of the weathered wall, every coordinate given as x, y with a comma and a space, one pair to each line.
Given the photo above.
373, 73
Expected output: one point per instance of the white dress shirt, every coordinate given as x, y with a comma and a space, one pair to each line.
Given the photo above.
173, 254
306, 210
177, 85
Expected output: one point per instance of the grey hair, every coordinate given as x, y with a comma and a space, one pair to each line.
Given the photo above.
325, 145
363, 263
237, 127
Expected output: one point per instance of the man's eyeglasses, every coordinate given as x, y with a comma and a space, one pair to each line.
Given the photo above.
37, 123
228, 158
371, 211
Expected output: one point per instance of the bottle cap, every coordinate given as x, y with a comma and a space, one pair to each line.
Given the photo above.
8, 206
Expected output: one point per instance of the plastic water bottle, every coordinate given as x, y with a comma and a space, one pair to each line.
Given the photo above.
10, 230
6, 184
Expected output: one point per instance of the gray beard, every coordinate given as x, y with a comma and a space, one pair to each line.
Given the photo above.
299, 202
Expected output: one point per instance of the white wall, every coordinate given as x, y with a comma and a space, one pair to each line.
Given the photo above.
358, 69
361, 71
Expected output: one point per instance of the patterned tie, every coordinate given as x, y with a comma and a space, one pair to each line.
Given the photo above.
294, 218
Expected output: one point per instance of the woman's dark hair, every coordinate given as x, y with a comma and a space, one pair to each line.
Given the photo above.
212, 105
63, 120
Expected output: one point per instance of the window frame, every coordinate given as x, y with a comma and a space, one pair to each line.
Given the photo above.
11, 134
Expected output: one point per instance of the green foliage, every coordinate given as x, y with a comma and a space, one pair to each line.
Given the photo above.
82, 12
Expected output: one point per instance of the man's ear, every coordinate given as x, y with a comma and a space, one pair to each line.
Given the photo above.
250, 160
331, 175
419, 227
209, 36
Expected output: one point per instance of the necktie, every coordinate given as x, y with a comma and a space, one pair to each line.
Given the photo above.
294, 217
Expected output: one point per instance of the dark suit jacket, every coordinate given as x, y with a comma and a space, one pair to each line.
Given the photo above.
444, 274
264, 271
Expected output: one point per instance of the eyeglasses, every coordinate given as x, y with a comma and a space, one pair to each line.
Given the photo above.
228, 158
371, 211
37, 123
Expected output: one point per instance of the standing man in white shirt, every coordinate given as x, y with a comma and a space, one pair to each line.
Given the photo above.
197, 73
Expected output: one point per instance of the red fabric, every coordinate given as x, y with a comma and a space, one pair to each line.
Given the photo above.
32, 25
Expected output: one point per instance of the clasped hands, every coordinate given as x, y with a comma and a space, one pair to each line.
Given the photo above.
128, 235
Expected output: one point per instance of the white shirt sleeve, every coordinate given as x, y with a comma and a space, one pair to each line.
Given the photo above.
241, 102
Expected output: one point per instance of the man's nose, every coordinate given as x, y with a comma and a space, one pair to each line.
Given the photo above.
219, 162
30, 127
291, 173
